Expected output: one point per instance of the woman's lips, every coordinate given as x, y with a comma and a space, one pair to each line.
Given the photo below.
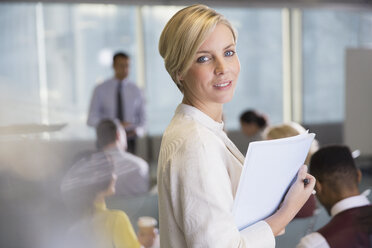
223, 85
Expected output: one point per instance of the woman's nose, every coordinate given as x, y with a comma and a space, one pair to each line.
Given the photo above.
220, 66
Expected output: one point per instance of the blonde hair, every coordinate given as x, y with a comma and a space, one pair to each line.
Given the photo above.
289, 130
282, 131
183, 35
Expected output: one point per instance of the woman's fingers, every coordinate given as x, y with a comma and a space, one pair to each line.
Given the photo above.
305, 178
302, 173
299, 192
311, 182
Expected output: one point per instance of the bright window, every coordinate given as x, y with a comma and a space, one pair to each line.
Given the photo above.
54, 54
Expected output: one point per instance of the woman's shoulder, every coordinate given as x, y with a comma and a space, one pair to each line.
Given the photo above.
186, 131
117, 215
187, 138
186, 126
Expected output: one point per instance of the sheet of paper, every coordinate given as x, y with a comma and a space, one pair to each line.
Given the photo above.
269, 168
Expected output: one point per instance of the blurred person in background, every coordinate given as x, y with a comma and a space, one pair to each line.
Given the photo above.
289, 130
252, 124
337, 180
119, 98
132, 171
84, 189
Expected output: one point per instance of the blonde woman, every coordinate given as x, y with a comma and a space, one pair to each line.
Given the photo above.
288, 130
199, 167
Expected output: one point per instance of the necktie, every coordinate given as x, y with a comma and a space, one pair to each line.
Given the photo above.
120, 105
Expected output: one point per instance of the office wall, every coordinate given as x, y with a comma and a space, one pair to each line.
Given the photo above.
358, 100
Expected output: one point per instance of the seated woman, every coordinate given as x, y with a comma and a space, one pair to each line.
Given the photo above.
288, 130
84, 189
252, 124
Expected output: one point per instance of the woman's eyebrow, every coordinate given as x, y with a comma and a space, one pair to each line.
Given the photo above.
206, 51
202, 52
231, 45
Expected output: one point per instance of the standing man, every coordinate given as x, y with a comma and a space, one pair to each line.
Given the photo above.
118, 98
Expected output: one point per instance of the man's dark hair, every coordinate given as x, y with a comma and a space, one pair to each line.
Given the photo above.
106, 133
120, 55
335, 166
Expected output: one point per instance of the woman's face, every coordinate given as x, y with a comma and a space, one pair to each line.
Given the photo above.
249, 129
214, 72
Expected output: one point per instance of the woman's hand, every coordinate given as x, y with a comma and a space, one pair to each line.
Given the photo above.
296, 197
299, 193
146, 236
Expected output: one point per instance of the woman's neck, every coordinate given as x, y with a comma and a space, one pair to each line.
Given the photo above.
213, 110
100, 198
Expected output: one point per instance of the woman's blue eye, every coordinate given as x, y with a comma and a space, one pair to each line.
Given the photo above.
202, 59
229, 53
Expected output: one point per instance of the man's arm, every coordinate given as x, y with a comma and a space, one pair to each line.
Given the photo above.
94, 109
142, 110
140, 114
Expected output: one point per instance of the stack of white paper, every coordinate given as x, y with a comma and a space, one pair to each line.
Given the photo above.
269, 168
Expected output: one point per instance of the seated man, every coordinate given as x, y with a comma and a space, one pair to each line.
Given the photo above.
337, 190
132, 171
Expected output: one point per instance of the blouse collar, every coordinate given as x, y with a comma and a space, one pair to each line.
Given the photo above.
200, 117
216, 127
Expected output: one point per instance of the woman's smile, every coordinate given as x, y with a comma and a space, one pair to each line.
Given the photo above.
223, 86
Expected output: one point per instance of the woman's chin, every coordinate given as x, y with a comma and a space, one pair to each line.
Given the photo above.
226, 99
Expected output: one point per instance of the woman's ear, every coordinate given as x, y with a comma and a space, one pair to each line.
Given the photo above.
180, 82
179, 77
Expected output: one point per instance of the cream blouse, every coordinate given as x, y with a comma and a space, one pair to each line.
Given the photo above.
198, 175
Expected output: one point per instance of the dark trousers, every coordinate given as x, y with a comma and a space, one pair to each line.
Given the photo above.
131, 145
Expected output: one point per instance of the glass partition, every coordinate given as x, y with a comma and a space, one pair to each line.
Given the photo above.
326, 35
54, 54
